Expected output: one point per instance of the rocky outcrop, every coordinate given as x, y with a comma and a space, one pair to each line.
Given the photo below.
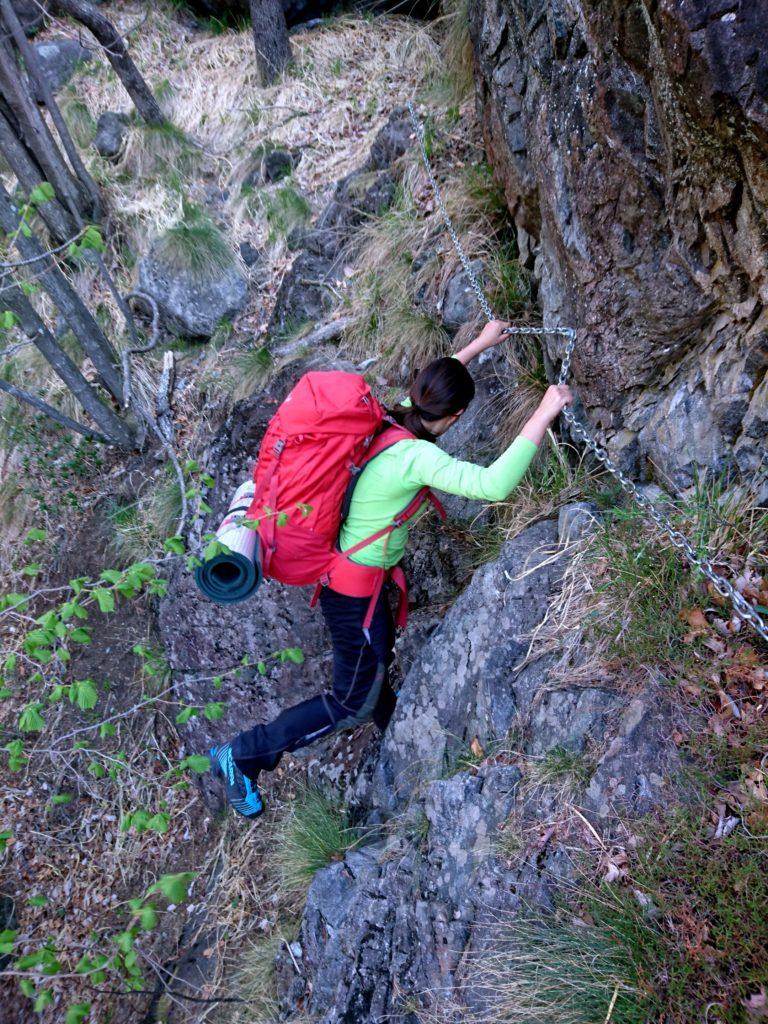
306, 293
631, 140
387, 932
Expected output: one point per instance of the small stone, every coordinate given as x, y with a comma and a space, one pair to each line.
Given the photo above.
110, 134
249, 254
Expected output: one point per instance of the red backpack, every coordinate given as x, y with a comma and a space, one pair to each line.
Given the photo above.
325, 432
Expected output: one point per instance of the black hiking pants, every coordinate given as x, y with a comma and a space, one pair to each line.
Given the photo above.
361, 689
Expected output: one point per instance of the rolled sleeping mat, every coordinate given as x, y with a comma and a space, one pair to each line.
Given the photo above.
235, 576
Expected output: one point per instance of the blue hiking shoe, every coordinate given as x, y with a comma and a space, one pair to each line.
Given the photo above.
242, 794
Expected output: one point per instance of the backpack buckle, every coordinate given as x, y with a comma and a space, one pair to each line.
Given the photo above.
278, 449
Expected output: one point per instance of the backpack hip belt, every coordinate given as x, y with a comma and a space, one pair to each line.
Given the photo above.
357, 580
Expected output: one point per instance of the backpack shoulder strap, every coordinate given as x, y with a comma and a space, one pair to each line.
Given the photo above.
388, 437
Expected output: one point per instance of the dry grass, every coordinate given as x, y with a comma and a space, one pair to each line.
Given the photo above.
406, 253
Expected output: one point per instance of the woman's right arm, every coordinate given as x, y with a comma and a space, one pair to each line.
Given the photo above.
424, 464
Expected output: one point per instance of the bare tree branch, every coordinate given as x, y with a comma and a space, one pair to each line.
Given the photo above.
49, 410
115, 48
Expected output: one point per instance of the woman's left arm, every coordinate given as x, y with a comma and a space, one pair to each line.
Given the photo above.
490, 335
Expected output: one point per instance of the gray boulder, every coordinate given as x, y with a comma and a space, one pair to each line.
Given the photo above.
59, 58
192, 304
110, 134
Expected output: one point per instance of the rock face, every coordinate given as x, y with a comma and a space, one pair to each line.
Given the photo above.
192, 304
386, 932
58, 59
632, 148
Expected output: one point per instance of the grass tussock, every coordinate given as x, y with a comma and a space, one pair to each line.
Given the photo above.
560, 766
286, 211
315, 832
139, 527
572, 973
457, 50
195, 245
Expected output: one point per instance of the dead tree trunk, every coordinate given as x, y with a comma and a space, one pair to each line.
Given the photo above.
35, 73
36, 135
116, 50
88, 333
105, 418
270, 37
49, 410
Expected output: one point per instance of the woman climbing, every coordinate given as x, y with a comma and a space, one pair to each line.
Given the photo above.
362, 630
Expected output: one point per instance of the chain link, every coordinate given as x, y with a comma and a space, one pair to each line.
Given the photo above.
724, 588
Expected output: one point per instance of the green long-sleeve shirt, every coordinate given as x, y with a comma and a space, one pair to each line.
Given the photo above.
391, 481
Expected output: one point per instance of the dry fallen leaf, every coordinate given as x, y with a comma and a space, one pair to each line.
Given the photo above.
476, 748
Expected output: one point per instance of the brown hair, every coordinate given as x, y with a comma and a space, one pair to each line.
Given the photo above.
443, 388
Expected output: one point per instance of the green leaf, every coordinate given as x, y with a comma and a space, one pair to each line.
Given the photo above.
77, 1013
5, 838
25, 229
107, 729
83, 692
98, 771
27, 986
111, 575
81, 635
204, 507
175, 545
214, 711
207, 480
159, 822
7, 320
35, 534
105, 599
10, 664
5, 692
147, 916
174, 887
38, 901
185, 714
56, 694
190, 466
32, 569
61, 798
294, 654
30, 719
196, 762
92, 239
7, 940
261, 667
42, 193
282, 519
45, 998
218, 682
16, 758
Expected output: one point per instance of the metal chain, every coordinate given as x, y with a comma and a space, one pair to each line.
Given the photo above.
724, 588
